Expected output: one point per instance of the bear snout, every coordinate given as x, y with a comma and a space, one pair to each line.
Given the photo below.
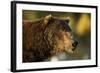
75, 43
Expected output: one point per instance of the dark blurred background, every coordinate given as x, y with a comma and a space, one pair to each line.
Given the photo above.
80, 24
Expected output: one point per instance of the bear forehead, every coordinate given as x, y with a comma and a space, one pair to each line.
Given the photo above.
63, 23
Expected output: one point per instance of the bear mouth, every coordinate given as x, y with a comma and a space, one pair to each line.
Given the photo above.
71, 50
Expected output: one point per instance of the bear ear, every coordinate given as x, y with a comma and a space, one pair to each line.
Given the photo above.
47, 19
67, 19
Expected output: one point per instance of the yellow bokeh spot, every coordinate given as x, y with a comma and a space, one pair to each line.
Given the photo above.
83, 25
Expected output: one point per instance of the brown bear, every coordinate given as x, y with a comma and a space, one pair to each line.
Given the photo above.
46, 37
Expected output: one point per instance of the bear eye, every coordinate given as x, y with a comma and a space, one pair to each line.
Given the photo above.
65, 25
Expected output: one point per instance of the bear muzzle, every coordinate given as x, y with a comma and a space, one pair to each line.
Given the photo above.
74, 44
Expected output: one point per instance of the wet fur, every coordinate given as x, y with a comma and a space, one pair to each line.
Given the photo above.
42, 40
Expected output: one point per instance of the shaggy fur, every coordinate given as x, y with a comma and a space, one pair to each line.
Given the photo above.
45, 37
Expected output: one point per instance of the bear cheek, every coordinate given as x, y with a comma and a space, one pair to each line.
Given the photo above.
61, 44
68, 45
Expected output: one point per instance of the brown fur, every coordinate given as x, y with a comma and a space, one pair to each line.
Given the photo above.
45, 37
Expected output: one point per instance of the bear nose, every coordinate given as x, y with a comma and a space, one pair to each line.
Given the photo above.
75, 43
